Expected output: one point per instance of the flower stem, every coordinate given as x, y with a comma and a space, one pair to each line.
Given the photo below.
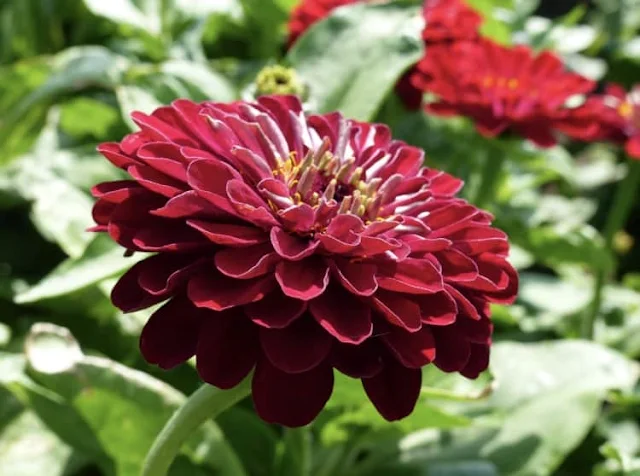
296, 451
206, 402
489, 180
623, 202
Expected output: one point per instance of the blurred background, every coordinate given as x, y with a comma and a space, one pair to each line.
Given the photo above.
76, 397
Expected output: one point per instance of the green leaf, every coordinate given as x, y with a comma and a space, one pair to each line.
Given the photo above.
253, 441
116, 411
210, 85
534, 441
28, 448
101, 260
5, 334
525, 371
535, 384
352, 59
135, 98
143, 14
74, 114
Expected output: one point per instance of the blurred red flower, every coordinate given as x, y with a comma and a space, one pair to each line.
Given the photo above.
446, 21
506, 88
294, 245
618, 113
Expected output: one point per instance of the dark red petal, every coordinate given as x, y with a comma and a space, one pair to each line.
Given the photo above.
398, 310
290, 399
342, 315
246, 263
298, 347
249, 205
187, 204
357, 278
437, 309
170, 336
357, 361
304, 279
227, 349
394, 390
291, 247
209, 178
412, 276
456, 266
478, 361
128, 296
218, 292
413, 350
163, 272
452, 349
275, 310
230, 235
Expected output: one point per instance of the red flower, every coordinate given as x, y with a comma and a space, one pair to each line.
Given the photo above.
450, 20
503, 88
618, 114
295, 246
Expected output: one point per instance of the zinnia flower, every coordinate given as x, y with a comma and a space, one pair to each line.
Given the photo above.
618, 114
293, 246
505, 89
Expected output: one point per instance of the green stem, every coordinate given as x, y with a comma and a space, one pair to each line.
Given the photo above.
623, 202
206, 402
295, 458
490, 179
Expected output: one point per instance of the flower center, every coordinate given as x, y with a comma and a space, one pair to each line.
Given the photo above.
500, 83
321, 177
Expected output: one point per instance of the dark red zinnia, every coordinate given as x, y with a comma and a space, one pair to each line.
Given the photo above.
505, 88
293, 246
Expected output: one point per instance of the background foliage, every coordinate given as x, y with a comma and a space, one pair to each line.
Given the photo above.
76, 399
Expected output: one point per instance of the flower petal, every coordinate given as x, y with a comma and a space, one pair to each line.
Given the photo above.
342, 315
291, 247
218, 292
304, 279
394, 390
227, 349
413, 350
246, 263
170, 336
398, 310
290, 399
275, 310
297, 348
357, 361
357, 278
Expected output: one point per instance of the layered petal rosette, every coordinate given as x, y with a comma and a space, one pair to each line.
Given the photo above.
295, 247
506, 89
